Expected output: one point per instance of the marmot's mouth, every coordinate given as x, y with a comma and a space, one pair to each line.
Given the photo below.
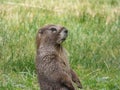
63, 39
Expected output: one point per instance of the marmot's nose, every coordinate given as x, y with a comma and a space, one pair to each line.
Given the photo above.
65, 31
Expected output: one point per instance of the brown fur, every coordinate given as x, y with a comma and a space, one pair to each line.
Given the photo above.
54, 72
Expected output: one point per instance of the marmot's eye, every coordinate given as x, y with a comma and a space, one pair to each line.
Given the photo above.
53, 30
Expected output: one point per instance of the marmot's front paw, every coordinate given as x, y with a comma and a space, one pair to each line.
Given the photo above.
79, 85
70, 86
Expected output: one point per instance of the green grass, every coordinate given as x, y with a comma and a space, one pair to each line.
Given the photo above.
93, 42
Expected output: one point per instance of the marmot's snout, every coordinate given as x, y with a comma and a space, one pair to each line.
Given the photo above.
65, 31
63, 36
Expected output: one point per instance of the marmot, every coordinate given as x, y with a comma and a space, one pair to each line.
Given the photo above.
53, 69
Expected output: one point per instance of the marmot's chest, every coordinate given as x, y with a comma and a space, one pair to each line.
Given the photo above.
64, 63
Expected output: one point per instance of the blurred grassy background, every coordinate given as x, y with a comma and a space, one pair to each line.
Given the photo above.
93, 42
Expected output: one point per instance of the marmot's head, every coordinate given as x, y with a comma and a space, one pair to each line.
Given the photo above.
51, 34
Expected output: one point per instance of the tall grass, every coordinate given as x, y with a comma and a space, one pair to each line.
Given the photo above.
93, 42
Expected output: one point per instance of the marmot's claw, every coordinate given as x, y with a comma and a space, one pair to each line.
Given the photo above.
79, 85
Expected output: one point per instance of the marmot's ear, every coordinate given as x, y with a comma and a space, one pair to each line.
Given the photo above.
41, 31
